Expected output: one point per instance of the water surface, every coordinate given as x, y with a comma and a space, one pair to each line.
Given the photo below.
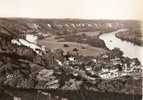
130, 50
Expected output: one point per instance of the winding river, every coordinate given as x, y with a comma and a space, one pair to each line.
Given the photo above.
130, 50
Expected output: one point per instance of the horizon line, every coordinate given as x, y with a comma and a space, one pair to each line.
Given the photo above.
68, 18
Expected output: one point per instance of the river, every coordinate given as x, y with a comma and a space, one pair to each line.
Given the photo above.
130, 50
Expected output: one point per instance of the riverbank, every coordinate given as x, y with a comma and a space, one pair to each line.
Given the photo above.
135, 37
66, 59
129, 49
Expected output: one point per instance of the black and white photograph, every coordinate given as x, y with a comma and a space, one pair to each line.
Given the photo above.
71, 49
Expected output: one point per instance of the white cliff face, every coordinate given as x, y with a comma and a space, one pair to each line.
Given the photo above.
30, 41
25, 43
14, 41
66, 25
73, 25
89, 25
28, 44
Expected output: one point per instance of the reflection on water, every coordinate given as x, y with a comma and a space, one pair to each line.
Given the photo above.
130, 50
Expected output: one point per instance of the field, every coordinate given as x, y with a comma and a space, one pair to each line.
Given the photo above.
66, 56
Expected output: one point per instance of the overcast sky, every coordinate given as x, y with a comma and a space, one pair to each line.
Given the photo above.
87, 9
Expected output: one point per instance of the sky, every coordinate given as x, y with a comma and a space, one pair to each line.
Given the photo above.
85, 9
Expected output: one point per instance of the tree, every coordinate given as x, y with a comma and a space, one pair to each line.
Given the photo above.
116, 52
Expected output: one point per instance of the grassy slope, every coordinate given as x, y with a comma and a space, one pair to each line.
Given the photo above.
84, 49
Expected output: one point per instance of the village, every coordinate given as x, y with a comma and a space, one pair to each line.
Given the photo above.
80, 61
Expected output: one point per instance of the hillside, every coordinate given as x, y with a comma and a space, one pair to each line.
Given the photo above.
61, 56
